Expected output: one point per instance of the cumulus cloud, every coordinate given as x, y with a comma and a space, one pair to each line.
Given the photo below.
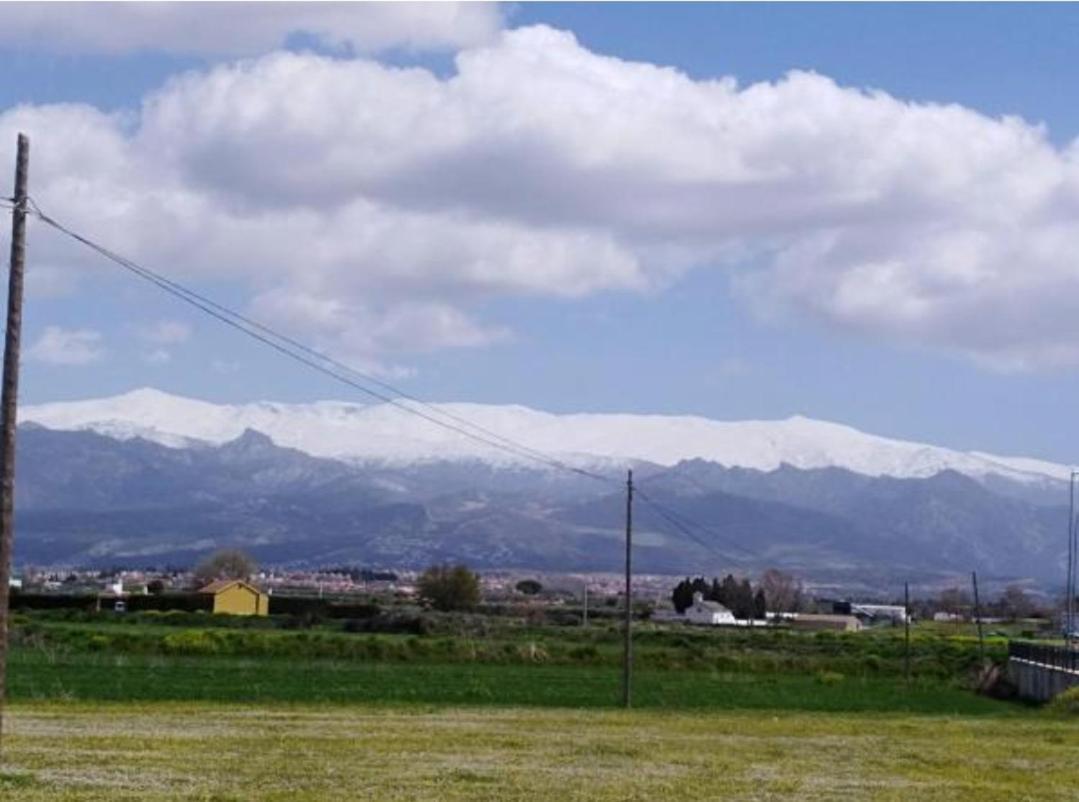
243, 29
59, 346
165, 332
379, 208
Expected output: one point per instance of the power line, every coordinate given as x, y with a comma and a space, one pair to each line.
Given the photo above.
352, 377
686, 525
313, 358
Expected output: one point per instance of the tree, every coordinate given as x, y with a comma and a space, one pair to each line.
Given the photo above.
450, 587
682, 595
743, 600
782, 591
716, 591
760, 604
529, 587
1015, 603
155, 586
225, 564
728, 593
954, 600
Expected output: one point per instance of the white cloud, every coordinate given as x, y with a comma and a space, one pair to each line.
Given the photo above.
158, 356
377, 209
244, 29
59, 346
165, 332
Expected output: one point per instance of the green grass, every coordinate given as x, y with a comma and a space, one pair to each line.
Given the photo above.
479, 640
145, 707
79, 751
34, 675
154, 657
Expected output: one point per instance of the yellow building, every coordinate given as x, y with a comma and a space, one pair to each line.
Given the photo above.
236, 597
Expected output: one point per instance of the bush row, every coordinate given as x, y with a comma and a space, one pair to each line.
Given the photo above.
192, 602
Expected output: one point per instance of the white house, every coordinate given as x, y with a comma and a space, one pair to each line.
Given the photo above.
708, 612
879, 612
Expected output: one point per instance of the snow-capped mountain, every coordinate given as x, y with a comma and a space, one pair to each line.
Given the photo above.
384, 434
149, 478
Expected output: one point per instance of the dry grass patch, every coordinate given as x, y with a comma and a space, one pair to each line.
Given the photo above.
211, 752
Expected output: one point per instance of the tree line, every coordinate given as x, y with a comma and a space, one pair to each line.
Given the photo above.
776, 592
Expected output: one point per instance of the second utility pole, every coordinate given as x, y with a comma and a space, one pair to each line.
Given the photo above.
627, 655
978, 618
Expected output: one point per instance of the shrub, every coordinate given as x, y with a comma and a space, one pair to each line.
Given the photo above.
190, 642
873, 662
584, 654
448, 587
389, 624
1066, 703
362, 610
52, 601
298, 606
829, 677
168, 602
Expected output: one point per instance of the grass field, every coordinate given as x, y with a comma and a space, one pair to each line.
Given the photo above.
197, 708
110, 677
91, 751
488, 640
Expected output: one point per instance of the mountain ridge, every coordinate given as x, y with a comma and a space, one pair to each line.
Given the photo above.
83, 498
381, 433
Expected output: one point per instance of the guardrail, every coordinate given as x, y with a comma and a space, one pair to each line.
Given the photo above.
1062, 658
1041, 671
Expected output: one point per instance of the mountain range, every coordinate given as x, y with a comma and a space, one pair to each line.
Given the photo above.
149, 478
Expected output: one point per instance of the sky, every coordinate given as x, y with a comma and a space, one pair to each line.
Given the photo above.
860, 213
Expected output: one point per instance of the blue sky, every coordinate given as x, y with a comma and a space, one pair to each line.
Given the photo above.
676, 333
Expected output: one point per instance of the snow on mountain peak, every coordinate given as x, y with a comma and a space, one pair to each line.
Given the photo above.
385, 434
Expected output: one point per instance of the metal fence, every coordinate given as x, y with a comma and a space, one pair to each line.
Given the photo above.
1062, 658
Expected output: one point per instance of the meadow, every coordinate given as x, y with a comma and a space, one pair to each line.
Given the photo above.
100, 751
191, 706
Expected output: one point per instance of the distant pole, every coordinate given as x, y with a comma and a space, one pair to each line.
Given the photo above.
627, 655
906, 634
978, 617
1069, 592
584, 621
9, 392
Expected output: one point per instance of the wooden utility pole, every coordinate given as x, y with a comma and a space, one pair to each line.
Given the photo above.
906, 632
627, 654
9, 391
978, 617
1069, 592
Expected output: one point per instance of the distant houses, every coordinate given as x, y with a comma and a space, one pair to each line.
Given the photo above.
872, 613
114, 596
711, 613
